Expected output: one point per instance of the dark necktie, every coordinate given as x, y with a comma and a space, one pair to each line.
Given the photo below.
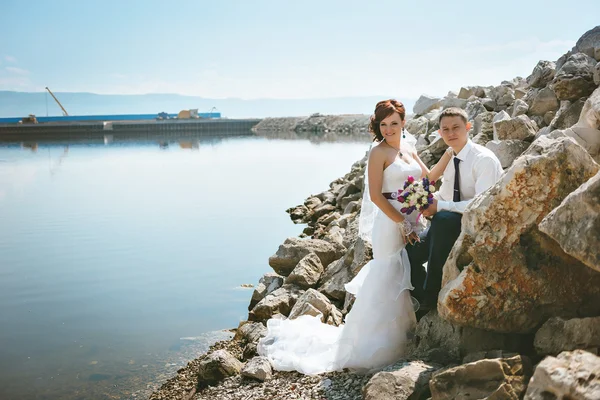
456, 196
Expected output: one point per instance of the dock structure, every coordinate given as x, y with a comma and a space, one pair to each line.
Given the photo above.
80, 130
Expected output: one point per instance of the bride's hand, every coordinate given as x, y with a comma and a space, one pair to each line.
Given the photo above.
412, 238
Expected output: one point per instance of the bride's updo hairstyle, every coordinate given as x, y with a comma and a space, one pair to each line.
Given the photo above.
384, 109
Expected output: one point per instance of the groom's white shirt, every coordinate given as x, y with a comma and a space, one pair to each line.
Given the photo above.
479, 170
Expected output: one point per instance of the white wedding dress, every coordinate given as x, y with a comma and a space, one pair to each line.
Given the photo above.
382, 319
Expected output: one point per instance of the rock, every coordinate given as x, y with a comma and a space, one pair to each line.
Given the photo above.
514, 277
575, 78
293, 250
267, 284
489, 104
440, 341
425, 104
417, 126
519, 107
437, 147
507, 151
352, 207
410, 380
503, 95
541, 101
343, 270
597, 74
298, 214
465, 93
519, 128
558, 335
570, 115
258, 368
312, 202
346, 191
321, 210
307, 273
589, 43
473, 109
482, 355
217, 366
484, 127
250, 332
502, 378
587, 130
453, 102
312, 303
575, 223
542, 74
280, 301
571, 375
501, 116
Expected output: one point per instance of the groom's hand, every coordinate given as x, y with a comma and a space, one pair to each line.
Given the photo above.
431, 210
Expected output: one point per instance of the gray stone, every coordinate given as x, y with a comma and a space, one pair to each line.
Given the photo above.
250, 332
425, 104
258, 368
519, 107
541, 101
589, 43
558, 335
409, 380
267, 284
571, 375
575, 78
280, 301
518, 128
575, 223
507, 151
293, 250
307, 272
485, 379
217, 366
542, 74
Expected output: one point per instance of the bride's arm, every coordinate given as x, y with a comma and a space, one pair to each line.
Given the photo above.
438, 169
375, 177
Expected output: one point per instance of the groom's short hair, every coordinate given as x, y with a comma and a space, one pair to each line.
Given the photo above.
454, 112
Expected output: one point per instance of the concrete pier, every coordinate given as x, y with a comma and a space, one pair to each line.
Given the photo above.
125, 129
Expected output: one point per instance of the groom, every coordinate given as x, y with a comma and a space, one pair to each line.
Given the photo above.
473, 170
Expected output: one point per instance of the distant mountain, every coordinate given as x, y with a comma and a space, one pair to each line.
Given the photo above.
16, 104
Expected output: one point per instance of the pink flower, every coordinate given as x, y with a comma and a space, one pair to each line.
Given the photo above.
410, 179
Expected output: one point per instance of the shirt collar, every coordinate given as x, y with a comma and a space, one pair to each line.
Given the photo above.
462, 155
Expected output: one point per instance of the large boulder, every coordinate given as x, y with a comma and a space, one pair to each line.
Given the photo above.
575, 78
409, 380
342, 271
266, 285
568, 114
258, 368
216, 367
541, 101
502, 378
513, 276
589, 43
587, 130
518, 128
425, 104
575, 224
507, 151
440, 341
315, 304
542, 74
280, 301
294, 249
571, 375
307, 273
558, 335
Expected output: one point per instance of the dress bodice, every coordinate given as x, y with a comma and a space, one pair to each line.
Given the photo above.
397, 172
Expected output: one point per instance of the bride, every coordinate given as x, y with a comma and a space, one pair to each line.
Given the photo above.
378, 327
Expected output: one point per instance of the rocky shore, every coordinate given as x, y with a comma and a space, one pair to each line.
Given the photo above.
519, 313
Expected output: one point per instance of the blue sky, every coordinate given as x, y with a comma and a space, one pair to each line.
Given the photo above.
280, 49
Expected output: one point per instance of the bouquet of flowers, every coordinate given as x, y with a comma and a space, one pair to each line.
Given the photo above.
416, 194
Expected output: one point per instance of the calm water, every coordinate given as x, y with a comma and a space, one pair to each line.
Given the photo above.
121, 262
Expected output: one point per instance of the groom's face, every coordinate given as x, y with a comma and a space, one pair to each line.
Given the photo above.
454, 132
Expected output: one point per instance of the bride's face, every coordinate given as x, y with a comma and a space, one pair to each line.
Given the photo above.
391, 127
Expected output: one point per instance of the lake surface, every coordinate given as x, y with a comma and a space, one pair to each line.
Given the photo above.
120, 262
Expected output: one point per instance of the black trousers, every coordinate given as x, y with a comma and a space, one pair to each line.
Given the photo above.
434, 249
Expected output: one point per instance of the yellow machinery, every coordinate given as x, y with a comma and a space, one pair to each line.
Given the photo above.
65, 113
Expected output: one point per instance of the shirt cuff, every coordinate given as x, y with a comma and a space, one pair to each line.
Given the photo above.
443, 205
